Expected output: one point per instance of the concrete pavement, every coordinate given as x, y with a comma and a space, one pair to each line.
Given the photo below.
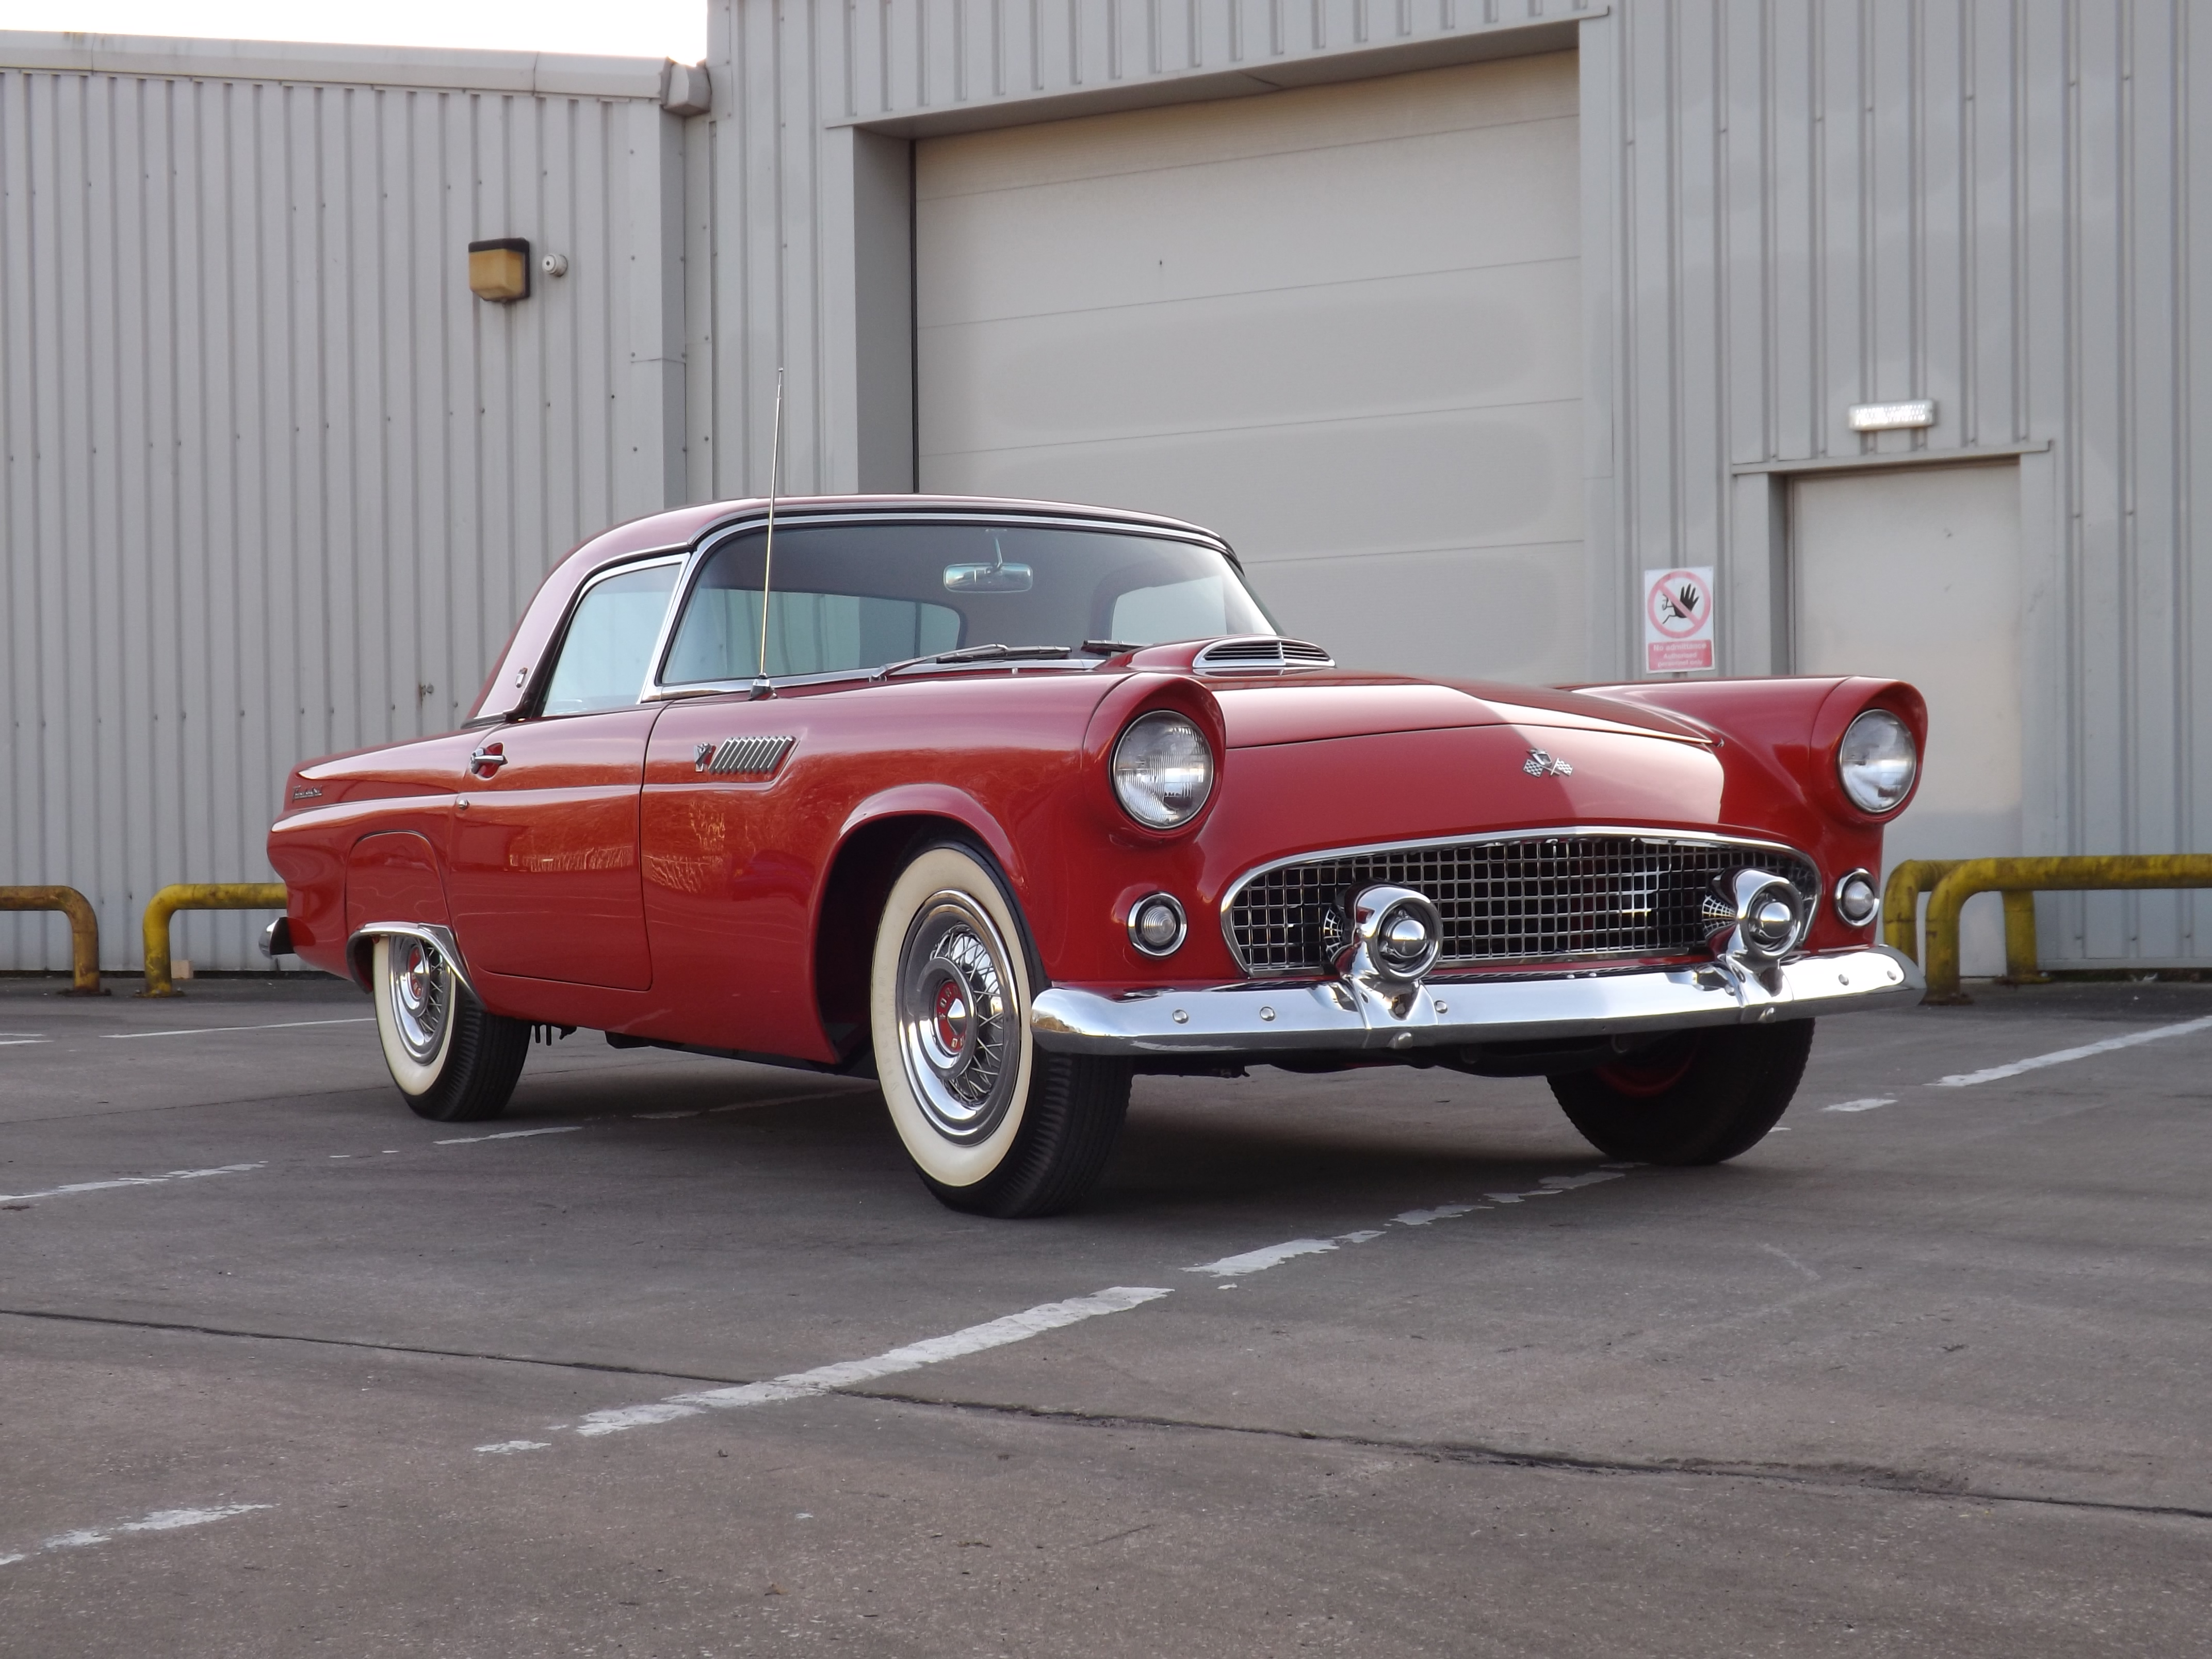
1387, 1362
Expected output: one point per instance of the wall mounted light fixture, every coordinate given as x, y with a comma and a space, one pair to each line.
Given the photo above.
499, 270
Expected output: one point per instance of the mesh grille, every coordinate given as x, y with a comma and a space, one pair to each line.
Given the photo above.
1541, 898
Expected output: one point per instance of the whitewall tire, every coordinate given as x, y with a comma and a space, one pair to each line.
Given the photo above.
992, 1123
454, 1062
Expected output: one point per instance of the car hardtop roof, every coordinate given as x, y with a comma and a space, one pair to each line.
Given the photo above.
679, 528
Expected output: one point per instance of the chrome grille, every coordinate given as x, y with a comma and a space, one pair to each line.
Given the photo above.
1258, 652
1537, 898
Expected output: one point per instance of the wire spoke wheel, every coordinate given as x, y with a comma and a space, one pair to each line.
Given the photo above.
955, 1015
453, 1061
420, 988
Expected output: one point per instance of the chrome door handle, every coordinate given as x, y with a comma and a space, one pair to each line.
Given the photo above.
487, 760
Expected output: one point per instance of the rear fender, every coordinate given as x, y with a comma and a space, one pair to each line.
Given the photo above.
391, 877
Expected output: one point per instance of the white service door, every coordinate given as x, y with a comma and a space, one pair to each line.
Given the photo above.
1338, 324
1915, 575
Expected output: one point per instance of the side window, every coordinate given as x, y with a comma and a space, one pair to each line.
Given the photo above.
604, 659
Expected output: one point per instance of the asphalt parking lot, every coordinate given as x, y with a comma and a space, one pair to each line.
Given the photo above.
680, 1359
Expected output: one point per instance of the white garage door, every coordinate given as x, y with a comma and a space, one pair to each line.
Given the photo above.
1338, 324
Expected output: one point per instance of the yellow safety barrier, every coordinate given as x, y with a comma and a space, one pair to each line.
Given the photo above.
2021, 879
197, 896
1900, 917
84, 931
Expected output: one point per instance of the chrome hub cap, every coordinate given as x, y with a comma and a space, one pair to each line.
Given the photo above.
420, 992
956, 1033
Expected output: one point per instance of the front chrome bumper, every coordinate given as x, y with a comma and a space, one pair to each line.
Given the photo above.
1353, 1014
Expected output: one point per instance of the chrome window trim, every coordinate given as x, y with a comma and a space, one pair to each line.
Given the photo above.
1690, 838
541, 677
711, 540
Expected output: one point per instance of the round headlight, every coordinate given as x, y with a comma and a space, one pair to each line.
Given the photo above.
1162, 769
1876, 760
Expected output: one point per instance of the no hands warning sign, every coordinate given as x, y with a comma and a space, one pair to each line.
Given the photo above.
1678, 619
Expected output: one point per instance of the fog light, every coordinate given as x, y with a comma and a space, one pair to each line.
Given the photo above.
1856, 898
1156, 925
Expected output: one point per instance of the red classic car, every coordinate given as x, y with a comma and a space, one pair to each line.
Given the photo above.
1002, 802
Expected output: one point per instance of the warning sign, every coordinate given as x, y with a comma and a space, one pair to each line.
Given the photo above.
1678, 619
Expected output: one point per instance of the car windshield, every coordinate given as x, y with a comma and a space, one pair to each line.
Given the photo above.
851, 597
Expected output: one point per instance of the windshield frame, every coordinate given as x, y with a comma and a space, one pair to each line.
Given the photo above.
658, 689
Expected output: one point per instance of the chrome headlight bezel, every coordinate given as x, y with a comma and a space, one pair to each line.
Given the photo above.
1152, 766
1166, 902
1868, 757
1848, 883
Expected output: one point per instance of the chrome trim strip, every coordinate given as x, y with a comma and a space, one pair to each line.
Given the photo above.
1331, 1015
1693, 837
440, 940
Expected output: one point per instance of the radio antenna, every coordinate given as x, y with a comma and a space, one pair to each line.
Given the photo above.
761, 687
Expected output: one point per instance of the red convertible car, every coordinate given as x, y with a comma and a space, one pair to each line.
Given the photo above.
1000, 803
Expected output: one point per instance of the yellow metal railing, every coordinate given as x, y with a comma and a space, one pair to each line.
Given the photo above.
2019, 880
1900, 917
197, 896
84, 930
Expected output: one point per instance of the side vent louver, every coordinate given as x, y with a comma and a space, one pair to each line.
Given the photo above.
1260, 653
745, 758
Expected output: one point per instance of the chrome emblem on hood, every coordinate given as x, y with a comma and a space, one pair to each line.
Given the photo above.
1541, 765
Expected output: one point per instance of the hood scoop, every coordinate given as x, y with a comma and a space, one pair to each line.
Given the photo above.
1260, 654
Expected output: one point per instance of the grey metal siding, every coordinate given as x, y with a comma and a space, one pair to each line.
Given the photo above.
1997, 204
275, 483
1790, 206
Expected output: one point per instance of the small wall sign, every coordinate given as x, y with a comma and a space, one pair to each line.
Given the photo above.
1678, 619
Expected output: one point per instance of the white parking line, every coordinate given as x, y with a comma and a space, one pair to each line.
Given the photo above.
510, 1134
159, 1521
20, 1042
209, 1030
129, 1181
1866, 1105
825, 1379
2059, 1057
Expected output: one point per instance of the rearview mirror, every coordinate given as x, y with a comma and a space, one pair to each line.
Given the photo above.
988, 579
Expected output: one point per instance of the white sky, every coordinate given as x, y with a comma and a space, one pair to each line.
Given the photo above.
629, 28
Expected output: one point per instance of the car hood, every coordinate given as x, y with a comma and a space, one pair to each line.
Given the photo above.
1260, 713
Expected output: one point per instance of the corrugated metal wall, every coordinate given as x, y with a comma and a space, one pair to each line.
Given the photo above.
1997, 204
275, 483
1790, 206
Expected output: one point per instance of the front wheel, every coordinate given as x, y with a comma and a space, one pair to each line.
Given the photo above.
1696, 1097
454, 1062
995, 1125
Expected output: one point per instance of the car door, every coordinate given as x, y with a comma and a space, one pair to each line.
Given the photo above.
544, 864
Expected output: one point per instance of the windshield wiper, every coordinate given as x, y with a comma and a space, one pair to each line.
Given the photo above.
992, 653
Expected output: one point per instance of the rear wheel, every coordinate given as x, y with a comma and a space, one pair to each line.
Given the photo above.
1698, 1097
993, 1124
454, 1062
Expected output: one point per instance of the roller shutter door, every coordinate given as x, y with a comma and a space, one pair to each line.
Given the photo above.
1338, 324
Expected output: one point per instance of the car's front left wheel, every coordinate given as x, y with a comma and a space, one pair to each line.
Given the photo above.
995, 1124
453, 1061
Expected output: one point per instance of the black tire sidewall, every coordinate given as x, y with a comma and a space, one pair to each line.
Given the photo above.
1734, 1090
